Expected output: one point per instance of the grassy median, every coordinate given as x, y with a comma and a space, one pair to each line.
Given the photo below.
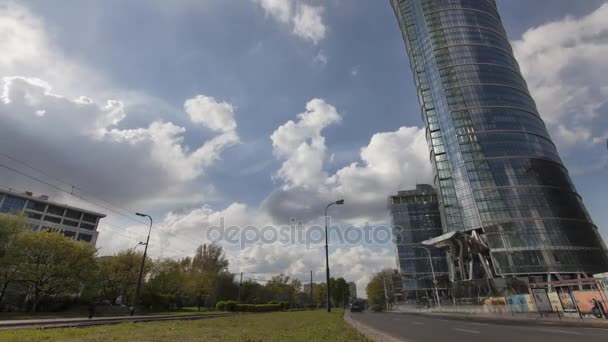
280, 326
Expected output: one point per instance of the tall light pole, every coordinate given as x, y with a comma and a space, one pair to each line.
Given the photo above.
141, 269
338, 202
433, 272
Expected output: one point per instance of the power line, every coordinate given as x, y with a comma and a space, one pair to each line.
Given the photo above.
92, 202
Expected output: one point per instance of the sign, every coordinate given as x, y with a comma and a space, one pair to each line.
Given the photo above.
542, 300
567, 302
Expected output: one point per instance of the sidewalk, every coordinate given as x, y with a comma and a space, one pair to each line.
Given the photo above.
528, 319
82, 322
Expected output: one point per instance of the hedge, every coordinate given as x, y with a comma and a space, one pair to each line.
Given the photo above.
258, 307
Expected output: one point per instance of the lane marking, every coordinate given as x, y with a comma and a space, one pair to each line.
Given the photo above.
484, 324
418, 323
560, 331
469, 331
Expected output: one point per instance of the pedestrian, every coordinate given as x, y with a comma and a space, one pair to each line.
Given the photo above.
91, 309
598, 309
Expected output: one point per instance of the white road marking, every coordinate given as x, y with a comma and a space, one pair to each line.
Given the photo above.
469, 331
484, 324
418, 323
559, 331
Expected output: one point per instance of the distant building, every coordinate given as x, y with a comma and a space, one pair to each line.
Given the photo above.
43, 214
415, 215
352, 287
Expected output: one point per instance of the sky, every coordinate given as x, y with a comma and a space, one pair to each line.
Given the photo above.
257, 113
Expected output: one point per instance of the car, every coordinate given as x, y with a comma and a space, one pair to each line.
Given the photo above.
356, 307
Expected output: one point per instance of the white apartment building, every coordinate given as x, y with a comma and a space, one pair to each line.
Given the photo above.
42, 214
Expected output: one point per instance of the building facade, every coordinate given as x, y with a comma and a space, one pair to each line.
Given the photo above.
416, 218
497, 171
45, 215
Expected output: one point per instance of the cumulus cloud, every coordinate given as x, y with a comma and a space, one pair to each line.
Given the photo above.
305, 21
564, 63
391, 161
206, 110
302, 145
63, 117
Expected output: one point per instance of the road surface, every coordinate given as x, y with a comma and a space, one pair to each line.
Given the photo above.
417, 328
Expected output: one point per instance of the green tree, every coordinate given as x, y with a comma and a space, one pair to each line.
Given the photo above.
167, 285
10, 227
117, 276
209, 258
51, 264
340, 292
383, 286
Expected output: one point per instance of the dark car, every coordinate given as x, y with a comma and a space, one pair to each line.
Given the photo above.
356, 307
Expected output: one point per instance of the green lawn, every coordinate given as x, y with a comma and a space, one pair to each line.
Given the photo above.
280, 326
84, 314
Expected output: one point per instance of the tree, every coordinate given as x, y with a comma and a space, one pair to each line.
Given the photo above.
209, 258
118, 274
166, 287
10, 227
51, 264
340, 292
381, 286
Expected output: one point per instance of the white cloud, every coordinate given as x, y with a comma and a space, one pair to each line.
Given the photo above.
321, 58
218, 116
564, 63
305, 21
308, 23
52, 125
302, 145
279, 9
392, 161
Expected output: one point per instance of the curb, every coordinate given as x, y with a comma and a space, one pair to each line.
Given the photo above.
368, 331
511, 321
71, 323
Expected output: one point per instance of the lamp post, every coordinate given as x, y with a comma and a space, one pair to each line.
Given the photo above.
338, 202
433, 272
141, 269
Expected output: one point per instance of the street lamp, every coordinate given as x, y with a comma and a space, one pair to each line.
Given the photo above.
433, 272
338, 202
143, 261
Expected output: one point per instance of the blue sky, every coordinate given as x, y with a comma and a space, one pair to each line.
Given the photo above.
203, 119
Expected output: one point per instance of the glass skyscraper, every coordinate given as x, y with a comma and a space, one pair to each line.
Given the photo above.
497, 171
415, 216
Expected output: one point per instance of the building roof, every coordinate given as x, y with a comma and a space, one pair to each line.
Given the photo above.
44, 199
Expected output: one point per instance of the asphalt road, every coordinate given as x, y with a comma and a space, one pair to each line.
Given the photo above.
416, 328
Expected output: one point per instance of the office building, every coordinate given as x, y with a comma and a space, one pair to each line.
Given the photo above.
502, 187
43, 214
415, 217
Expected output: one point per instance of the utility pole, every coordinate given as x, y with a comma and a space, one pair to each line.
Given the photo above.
312, 299
141, 269
338, 202
385, 293
240, 285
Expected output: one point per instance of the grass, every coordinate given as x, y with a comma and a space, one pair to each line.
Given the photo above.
279, 326
5, 316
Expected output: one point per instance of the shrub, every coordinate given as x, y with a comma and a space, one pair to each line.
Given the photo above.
284, 305
257, 307
230, 305
220, 306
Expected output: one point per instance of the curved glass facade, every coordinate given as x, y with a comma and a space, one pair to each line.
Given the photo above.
496, 168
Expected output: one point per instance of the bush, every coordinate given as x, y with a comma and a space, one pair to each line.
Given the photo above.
230, 305
220, 306
284, 305
257, 307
